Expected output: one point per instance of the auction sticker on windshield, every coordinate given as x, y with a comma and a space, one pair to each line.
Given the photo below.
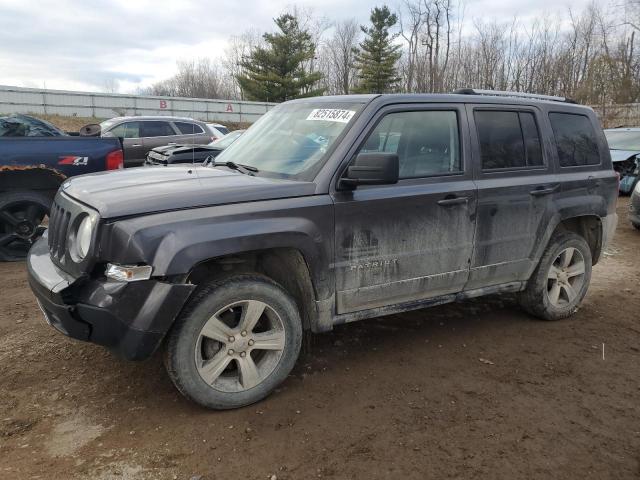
331, 115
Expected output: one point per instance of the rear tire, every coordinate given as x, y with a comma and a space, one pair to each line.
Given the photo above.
236, 341
636, 225
561, 280
21, 216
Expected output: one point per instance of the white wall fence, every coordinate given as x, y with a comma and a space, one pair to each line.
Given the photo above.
625, 115
108, 105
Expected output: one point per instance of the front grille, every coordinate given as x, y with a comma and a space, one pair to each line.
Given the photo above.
59, 220
64, 217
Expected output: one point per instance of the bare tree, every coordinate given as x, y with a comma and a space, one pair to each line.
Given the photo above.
411, 18
111, 85
592, 57
239, 49
195, 78
427, 27
337, 58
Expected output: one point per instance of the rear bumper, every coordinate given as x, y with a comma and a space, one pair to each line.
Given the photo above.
129, 318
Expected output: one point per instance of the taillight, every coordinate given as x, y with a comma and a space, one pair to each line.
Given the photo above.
115, 160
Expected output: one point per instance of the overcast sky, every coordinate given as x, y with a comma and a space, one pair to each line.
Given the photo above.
85, 45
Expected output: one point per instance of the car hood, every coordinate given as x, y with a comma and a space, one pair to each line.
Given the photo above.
136, 191
622, 155
169, 149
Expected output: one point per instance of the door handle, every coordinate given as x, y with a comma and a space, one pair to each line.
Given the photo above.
540, 191
136, 145
447, 202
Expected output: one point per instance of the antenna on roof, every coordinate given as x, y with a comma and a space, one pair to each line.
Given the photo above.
502, 93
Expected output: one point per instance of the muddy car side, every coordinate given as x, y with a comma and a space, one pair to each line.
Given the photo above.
415, 201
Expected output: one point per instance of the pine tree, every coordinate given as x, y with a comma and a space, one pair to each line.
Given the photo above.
377, 56
276, 72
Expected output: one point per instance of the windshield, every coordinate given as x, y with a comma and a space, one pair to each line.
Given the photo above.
623, 139
292, 140
228, 139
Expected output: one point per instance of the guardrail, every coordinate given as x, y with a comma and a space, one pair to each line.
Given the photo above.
108, 105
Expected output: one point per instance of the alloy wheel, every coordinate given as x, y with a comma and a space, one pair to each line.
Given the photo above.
566, 277
240, 346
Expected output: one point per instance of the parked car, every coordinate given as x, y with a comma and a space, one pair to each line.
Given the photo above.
624, 144
218, 130
173, 154
141, 134
634, 207
35, 159
314, 218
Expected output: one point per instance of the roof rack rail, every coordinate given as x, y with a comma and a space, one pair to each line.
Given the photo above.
502, 93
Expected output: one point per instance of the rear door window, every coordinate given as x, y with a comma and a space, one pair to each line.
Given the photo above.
575, 139
508, 139
157, 129
187, 128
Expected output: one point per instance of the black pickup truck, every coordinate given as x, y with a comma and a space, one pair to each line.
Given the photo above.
35, 159
326, 211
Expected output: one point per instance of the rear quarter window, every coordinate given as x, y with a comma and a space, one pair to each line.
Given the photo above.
187, 128
575, 139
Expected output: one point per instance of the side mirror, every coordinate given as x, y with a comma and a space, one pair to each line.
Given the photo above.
372, 169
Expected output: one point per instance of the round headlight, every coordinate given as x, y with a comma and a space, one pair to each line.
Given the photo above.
83, 237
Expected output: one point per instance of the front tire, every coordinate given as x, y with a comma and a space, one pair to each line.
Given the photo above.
561, 280
236, 341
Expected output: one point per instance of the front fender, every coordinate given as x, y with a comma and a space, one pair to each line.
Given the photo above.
175, 242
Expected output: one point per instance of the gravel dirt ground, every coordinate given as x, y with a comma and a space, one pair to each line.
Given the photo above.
473, 390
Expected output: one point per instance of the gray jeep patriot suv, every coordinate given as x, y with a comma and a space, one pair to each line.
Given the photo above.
328, 210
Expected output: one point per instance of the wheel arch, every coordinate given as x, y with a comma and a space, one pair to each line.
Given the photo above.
286, 266
588, 226
35, 177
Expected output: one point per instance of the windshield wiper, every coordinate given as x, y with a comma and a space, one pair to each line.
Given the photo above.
248, 169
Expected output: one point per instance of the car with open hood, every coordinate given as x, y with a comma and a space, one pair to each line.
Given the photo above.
624, 144
141, 134
175, 154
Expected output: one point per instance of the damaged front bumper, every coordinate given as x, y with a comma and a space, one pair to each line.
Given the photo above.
129, 318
